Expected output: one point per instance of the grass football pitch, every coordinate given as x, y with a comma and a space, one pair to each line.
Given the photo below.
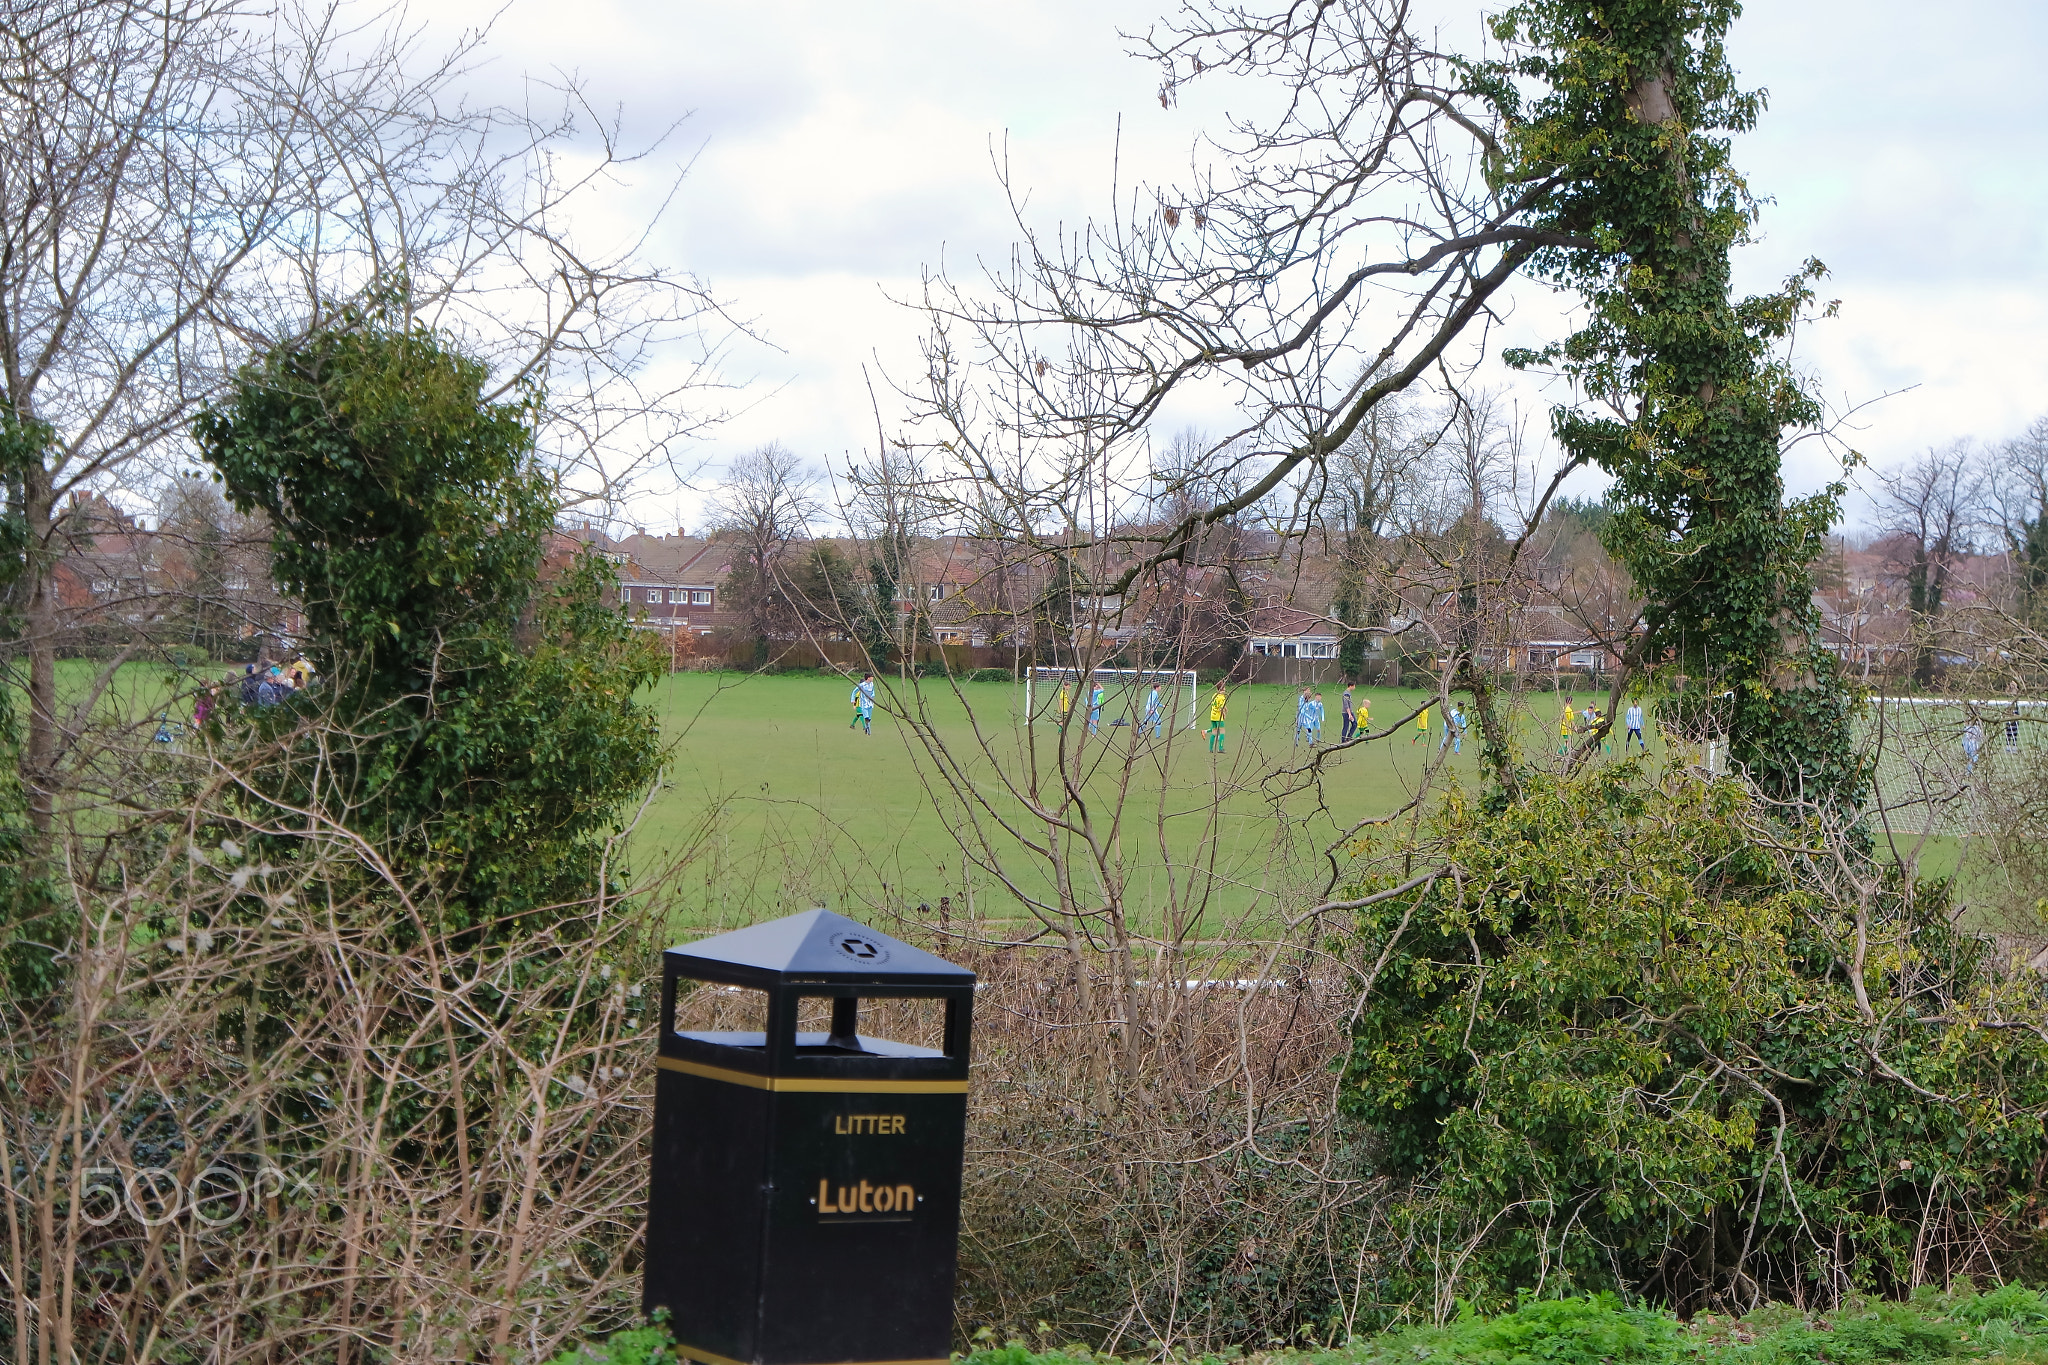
770, 802
778, 802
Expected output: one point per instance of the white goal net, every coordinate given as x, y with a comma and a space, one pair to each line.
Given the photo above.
1052, 694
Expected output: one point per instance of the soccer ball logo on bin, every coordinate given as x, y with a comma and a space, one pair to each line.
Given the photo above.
862, 950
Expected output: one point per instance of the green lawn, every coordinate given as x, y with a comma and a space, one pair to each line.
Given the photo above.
768, 782
133, 689
769, 802
782, 806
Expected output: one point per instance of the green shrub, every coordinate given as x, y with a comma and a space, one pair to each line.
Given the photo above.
494, 739
1598, 1330
641, 1346
1615, 1043
2010, 1323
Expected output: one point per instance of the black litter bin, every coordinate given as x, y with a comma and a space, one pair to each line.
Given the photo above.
805, 1201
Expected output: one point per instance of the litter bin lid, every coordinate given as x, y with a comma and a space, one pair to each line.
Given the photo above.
816, 945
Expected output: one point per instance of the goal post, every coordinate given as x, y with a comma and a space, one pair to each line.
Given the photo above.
1126, 692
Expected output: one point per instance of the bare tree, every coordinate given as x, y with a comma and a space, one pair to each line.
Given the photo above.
889, 506
1571, 572
214, 580
1375, 484
1478, 473
1378, 479
1205, 594
2016, 495
183, 184
765, 503
1352, 244
1356, 226
1928, 509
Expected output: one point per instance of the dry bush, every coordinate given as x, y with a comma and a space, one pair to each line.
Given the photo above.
1999, 805
1218, 1200
283, 1110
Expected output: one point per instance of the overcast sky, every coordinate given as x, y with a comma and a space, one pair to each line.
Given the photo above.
835, 151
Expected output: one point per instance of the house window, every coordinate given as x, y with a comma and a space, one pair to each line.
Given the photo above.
700, 597
1287, 651
1585, 658
1319, 651
934, 592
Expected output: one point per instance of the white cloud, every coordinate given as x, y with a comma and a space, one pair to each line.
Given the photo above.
841, 149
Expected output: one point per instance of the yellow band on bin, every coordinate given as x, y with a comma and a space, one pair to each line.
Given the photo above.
814, 1085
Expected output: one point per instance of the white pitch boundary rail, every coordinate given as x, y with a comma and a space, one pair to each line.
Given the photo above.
1139, 677
1717, 749
1994, 703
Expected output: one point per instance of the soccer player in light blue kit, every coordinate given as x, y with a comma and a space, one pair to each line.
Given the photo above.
1315, 718
864, 704
1095, 708
1634, 718
1155, 712
1301, 716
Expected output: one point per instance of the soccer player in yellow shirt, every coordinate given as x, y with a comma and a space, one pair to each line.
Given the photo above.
1216, 706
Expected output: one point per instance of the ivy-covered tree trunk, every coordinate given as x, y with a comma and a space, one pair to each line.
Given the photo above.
1634, 125
35, 925
2030, 552
1356, 605
493, 739
1351, 647
878, 622
1924, 591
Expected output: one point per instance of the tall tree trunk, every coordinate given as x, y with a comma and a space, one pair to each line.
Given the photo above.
1922, 601
40, 619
